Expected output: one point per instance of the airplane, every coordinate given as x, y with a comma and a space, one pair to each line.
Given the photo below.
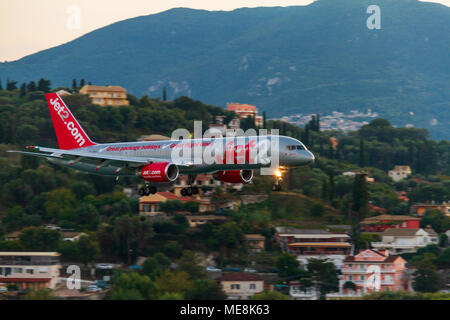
153, 160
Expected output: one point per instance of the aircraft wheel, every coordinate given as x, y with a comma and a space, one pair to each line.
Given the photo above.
195, 190
147, 191
183, 192
153, 190
189, 191
276, 187
141, 192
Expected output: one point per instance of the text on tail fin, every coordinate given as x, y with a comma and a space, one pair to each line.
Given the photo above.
68, 131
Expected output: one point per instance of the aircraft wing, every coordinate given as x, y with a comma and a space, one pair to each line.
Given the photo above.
59, 154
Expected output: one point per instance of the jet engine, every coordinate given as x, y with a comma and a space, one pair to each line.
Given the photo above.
235, 176
159, 172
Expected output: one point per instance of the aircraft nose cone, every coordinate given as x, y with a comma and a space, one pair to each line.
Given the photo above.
310, 157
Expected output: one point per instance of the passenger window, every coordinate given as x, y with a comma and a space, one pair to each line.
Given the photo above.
300, 147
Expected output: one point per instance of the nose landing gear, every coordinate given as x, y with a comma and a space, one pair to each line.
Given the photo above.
278, 174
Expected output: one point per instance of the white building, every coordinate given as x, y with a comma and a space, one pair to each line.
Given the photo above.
30, 270
307, 244
399, 241
399, 173
237, 285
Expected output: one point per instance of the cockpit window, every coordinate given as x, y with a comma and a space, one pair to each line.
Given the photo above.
297, 147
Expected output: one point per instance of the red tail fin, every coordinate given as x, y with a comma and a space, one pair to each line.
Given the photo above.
68, 131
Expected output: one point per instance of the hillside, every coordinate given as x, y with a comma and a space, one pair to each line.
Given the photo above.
315, 58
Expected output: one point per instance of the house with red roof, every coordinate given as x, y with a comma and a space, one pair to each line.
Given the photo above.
246, 110
150, 205
372, 270
241, 286
386, 221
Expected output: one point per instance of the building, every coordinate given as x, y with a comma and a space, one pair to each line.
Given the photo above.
405, 240
299, 293
65, 235
30, 270
195, 221
238, 285
71, 235
402, 196
399, 173
372, 270
106, 96
420, 209
313, 243
385, 221
245, 110
255, 242
63, 93
150, 205
13, 236
354, 173
153, 137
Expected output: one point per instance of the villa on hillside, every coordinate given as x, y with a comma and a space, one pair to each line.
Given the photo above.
405, 240
314, 243
399, 173
386, 221
106, 96
372, 270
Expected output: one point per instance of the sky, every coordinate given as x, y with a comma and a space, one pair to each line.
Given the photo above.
29, 26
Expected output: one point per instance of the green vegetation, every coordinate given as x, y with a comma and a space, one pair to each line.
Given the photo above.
273, 57
34, 193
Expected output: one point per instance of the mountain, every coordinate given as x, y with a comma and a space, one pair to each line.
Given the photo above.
286, 60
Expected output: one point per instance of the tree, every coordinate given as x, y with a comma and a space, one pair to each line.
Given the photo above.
228, 235
164, 94
74, 85
270, 295
87, 249
153, 268
436, 219
131, 236
317, 210
59, 204
1, 87
189, 263
287, 265
174, 282
44, 85
132, 286
362, 154
324, 276
11, 85
350, 285
23, 90
426, 278
443, 240
31, 86
443, 260
172, 249
205, 289
82, 83
39, 239
360, 196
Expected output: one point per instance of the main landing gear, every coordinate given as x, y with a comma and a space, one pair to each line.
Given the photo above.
278, 178
147, 190
191, 190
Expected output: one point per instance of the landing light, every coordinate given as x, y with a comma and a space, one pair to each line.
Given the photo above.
278, 173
